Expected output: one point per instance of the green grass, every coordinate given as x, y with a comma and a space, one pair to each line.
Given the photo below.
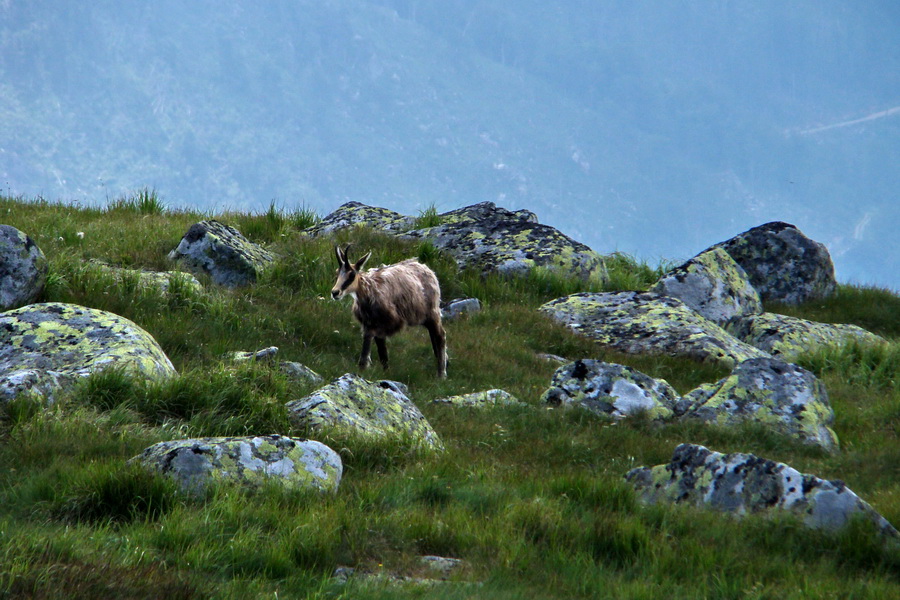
532, 499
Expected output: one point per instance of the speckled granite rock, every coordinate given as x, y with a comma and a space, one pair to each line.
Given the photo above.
296, 463
486, 399
221, 252
647, 323
783, 264
371, 409
785, 397
496, 240
610, 389
356, 214
743, 483
23, 269
713, 285
789, 337
45, 348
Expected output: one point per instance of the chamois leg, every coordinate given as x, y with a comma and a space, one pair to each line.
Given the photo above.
439, 344
382, 351
365, 357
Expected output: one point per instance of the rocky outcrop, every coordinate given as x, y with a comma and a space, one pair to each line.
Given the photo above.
496, 240
647, 323
781, 396
713, 285
783, 264
353, 406
294, 463
486, 399
611, 390
743, 483
789, 337
46, 348
220, 251
356, 214
23, 269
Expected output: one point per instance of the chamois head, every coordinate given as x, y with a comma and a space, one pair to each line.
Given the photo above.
347, 273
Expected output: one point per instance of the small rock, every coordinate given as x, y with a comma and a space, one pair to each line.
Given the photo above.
300, 372
460, 306
221, 252
266, 354
485, 399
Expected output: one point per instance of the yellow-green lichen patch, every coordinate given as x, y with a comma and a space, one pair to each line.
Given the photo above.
294, 463
220, 251
743, 483
356, 214
148, 280
486, 399
62, 342
785, 397
612, 390
647, 323
712, 284
789, 337
354, 406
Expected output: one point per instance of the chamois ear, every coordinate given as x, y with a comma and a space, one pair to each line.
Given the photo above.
361, 262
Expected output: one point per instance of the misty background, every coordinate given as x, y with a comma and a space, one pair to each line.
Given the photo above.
652, 128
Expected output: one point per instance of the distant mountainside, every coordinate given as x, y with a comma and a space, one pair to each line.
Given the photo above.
655, 129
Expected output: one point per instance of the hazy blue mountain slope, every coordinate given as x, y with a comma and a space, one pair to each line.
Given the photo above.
653, 128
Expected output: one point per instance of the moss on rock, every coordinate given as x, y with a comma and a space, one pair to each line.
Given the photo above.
295, 463
46, 347
648, 323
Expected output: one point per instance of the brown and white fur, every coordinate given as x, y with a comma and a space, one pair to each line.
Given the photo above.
387, 299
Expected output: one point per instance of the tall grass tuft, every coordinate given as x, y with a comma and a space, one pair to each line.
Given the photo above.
145, 201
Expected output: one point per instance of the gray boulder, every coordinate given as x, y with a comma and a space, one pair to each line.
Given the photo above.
23, 269
354, 406
300, 373
611, 390
459, 307
713, 285
648, 323
222, 253
789, 337
783, 264
356, 214
161, 281
486, 399
46, 348
496, 240
743, 483
785, 397
294, 463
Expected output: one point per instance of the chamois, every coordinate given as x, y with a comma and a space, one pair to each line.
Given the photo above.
389, 298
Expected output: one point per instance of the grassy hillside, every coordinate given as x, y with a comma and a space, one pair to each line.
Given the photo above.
532, 499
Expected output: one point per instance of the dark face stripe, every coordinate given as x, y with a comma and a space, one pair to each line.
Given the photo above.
350, 277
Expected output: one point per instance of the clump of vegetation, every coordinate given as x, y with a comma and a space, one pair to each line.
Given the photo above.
532, 499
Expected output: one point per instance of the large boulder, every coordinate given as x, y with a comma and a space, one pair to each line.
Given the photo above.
785, 397
46, 348
611, 390
713, 285
221, 252
783, 264
648, 323
496, 240
788, 337
294, 463
356, 214
23, 269
743, 483
352, 405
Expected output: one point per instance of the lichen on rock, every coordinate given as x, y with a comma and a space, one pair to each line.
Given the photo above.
47, 347
357, 214
611, 390
648, 323
783, 264
783, 396
295, 463
788, 337
220, 251
357, 407
23, 269
486, 399
743, 483
714, 285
